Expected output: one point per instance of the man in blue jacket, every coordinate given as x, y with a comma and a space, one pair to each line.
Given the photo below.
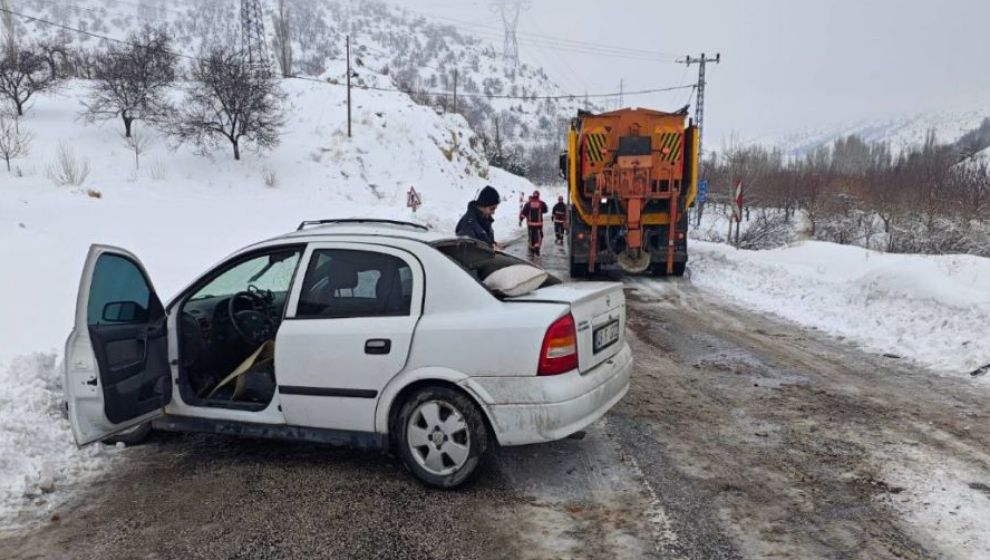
477, 221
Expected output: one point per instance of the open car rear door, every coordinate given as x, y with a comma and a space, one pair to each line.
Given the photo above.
116, 359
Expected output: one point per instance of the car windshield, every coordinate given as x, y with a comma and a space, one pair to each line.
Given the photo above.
480, 260
266, 272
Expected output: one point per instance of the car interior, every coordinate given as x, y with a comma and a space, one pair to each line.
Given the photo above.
227, 331
229, 322
349, 283
480, 259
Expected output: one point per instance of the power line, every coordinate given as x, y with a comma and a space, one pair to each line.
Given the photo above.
364, 87
563, 43
580, 50
572, 76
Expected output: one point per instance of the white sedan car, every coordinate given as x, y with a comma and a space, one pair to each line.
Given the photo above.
355, 332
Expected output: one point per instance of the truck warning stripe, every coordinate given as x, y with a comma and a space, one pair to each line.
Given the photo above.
670, 146
595, 145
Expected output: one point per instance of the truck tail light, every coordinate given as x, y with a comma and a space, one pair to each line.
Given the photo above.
680, 236
559, 353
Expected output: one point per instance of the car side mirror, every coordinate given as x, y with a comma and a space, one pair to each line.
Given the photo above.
124, 312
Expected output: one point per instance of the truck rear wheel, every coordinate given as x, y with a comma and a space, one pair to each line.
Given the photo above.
679, 268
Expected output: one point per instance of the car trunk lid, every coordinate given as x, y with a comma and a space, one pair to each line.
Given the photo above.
599, 310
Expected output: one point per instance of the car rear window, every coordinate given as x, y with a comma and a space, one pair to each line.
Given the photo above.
480, 260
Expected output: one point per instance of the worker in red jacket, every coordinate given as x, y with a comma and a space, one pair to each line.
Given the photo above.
559, 219
533, 212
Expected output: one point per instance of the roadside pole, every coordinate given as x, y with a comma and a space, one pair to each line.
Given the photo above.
737, 210
700, 202
413, 200
348, 86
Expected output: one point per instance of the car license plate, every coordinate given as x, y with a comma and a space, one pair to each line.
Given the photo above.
606, 335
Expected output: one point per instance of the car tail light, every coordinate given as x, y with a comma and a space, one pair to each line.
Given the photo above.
559, 353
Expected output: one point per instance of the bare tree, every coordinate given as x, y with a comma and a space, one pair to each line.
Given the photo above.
82, 63
814, 180
283, 38
15, 142
67, 169
23, 73
229, 100
969, 189
56, 53
132, 80
138, 143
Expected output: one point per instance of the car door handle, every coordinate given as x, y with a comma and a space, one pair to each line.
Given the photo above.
378, 346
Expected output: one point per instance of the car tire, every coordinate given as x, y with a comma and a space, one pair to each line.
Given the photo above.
133, 436
441, 436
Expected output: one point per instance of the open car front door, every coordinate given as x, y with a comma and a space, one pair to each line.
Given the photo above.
116, 359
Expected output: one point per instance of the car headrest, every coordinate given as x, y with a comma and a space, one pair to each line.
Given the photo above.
343, 275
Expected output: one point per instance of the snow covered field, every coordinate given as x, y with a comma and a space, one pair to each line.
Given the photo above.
181, 213
932, 309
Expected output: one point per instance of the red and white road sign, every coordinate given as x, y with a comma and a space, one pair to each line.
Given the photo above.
737, 201
413, 199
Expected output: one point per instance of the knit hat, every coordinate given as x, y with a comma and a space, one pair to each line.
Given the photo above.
488, 197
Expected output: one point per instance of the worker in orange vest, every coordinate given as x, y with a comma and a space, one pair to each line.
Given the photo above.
533, 212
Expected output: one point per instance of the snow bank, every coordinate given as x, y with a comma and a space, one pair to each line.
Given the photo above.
933, 309
39, 462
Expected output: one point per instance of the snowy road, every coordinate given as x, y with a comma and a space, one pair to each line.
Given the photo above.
742, 437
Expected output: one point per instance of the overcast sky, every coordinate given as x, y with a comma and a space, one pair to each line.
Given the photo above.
786, 64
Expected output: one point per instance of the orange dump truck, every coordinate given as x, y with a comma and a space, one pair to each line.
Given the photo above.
631, 174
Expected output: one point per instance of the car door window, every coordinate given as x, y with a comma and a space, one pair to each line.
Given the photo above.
118, 293
347, 283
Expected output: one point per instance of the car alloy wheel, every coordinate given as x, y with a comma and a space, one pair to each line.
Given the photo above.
441, 436
438, 437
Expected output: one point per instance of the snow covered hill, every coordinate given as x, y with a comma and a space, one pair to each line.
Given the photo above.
418, 55
900, 132
182, 211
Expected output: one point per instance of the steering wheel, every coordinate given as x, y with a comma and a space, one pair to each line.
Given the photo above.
249, 318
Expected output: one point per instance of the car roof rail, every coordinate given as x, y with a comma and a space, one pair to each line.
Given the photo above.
309, 223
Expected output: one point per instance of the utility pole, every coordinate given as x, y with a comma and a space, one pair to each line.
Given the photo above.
621, 83
348, 86
9, 31
455, 90
699, 109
